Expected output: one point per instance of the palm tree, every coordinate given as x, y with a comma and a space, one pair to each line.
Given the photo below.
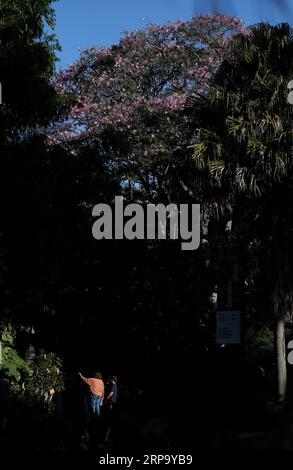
245, 146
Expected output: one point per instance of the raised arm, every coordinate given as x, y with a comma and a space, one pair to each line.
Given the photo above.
84, 379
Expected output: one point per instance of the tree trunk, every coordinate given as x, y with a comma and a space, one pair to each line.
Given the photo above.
282, 290
282, 302
280, 358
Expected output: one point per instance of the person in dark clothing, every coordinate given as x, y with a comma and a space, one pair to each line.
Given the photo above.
112, 392
111, 396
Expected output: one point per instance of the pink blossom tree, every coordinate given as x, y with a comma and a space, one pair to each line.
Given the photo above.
129, 100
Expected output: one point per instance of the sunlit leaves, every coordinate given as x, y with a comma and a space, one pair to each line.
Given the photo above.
250, 115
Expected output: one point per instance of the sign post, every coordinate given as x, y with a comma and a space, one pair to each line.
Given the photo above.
229, 296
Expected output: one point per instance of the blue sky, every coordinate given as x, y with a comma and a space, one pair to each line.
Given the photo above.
85, 23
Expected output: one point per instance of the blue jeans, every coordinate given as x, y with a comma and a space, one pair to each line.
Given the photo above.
95, 405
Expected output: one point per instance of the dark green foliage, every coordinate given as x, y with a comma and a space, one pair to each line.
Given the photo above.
10, 362
39, 383
260, 344
27, 64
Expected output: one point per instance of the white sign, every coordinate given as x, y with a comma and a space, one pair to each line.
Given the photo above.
228, 327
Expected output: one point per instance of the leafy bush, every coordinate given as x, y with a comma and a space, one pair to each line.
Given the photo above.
33, 380
41, 380
10, 362
259, 344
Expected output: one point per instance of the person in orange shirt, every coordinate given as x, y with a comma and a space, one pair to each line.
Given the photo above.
96, 389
